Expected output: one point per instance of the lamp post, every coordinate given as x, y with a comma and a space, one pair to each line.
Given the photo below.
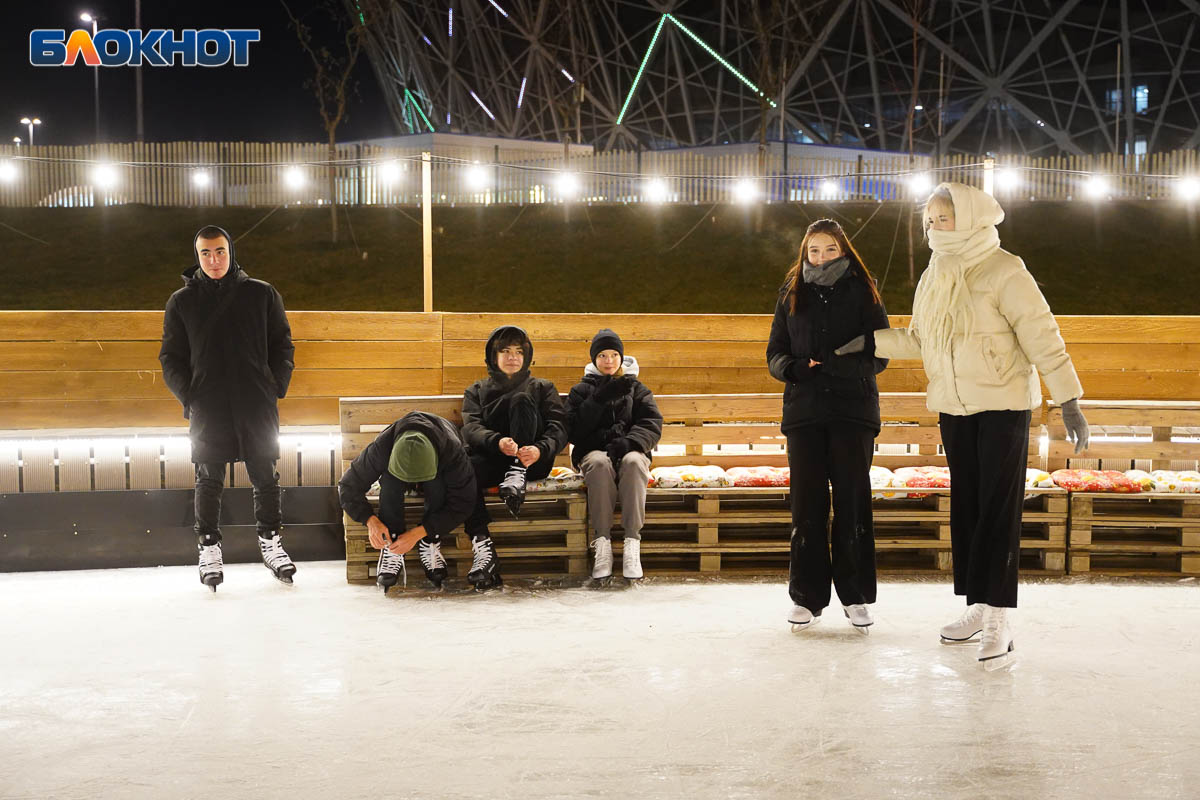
92, 18
17, 141
30, 123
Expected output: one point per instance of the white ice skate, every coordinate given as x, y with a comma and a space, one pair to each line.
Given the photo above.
802, 619
276, 559
631, 559
212, 565
996, 648
965, 628
603, 563
860, 617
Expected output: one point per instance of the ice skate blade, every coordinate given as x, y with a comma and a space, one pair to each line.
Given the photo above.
973, 639
993, 663
798, 627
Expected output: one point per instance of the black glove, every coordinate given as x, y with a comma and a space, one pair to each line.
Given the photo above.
617, 449
616, 387
800, 371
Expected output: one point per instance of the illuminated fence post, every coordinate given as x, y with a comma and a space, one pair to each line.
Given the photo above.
427, 227
989, 176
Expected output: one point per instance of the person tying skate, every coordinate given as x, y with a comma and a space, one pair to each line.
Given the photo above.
514, 426
227, 356
418, 451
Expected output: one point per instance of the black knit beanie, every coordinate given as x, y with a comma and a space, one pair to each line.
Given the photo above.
606, 339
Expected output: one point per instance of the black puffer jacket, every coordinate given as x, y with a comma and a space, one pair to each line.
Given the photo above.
485, 402
841, 388
227, 356
454, 468
631, 413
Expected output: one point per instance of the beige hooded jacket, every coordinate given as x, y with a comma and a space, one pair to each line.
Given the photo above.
980, 324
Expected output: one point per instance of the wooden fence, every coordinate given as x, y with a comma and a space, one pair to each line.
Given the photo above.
100, 370
269, 174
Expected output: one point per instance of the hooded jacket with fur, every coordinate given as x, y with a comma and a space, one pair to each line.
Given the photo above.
981, 326
227, 356
631, 412
485, 402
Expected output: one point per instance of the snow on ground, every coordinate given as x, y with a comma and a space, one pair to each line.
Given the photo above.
140, 683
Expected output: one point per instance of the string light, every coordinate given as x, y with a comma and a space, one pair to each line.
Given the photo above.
201, 179
657, 191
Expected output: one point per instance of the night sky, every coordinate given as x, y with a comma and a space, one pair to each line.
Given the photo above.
265, 101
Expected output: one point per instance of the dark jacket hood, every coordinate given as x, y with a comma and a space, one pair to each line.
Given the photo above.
194, 273
490, 356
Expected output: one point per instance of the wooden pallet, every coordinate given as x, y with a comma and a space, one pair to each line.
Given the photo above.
549, 538
1153, 533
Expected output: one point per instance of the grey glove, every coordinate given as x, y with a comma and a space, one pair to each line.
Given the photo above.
855, 345
1076, 425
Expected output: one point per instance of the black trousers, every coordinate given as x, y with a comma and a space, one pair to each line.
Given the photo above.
522, 422
837, 454
210, 480
987, 453
391, 501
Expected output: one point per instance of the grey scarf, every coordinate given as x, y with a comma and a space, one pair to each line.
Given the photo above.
828, 274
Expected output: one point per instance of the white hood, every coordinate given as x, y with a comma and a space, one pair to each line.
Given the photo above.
628, 363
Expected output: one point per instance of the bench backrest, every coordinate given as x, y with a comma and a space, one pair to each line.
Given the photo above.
1151, 434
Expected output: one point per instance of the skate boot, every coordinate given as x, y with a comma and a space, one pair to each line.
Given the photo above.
212, 565
860, 617
995, 649
603, 563
390, 570
275, 558
631, 559
966, 627
485, 568
432, 561
801, 618
512, 488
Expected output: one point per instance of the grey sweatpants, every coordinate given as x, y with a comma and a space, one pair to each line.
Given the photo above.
604, 490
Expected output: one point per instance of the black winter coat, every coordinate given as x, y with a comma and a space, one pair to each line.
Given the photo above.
227, 356
593, 423
454, 468
841, 388
485, 403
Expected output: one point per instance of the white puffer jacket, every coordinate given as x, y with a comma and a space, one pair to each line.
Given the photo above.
994, 329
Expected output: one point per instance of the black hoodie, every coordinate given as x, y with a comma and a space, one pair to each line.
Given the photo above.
227, 356
485, 402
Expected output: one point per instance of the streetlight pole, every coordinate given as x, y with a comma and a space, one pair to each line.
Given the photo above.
86, 17
30, 123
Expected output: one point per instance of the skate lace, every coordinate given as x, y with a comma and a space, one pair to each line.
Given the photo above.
993, 624
273, 553
483, 554
390, 561
431, 555
973, 614
210, 557
514, 472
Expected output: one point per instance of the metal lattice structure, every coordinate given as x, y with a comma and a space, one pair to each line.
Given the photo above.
1038, 77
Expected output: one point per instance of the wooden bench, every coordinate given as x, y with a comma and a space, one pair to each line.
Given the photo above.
1151, 533
719, 530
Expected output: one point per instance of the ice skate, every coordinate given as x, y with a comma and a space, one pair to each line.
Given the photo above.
603, 563
275, 558
390, 570
631, 559
802, 619
860, 617
432, 561
965, 628
512, 488
996, 647
212, 565
485, 568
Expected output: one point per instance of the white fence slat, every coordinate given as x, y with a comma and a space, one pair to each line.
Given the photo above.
37, 467
145, 464
74, 466
109, 467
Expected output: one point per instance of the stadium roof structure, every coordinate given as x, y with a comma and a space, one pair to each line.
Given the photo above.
1040, 77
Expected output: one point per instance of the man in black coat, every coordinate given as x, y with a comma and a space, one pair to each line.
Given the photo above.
418, 451
227, 356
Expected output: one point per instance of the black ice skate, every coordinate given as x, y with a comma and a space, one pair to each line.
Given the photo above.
275, 558
485, 569
390, 570
512, 488
432, 561
212, 565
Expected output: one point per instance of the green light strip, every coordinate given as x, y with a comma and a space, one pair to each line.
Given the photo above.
720, 60
642, 68
408, 96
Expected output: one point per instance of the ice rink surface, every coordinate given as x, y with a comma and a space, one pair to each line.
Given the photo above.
141, 683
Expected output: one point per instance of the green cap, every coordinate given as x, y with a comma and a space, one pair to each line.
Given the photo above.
413, 458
